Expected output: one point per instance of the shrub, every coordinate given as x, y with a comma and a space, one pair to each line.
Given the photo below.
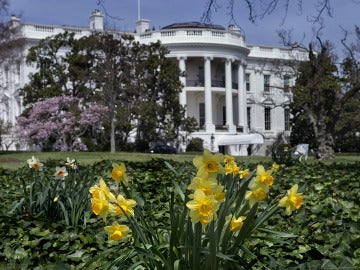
284, 154
195, 145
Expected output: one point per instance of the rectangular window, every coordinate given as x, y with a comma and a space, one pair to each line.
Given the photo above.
266, 83
267, 119
224, 115
248, 112
200, 76
247, 81
287, 119
286, 83
17, 77
201, 114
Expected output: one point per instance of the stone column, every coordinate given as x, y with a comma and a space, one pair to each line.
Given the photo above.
228, 97
209, 125
182, 67
242, 106
242, 99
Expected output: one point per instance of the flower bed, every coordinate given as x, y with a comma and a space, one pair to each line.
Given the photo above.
323, 233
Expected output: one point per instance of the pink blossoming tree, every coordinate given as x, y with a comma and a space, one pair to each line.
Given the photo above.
57, 124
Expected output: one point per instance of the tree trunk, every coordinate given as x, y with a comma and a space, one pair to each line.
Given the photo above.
112, 137
325, 141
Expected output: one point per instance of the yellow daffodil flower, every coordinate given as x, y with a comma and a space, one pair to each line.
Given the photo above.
102, 188
254, 196
292, 201
219, 193
123, 206
244, 173
34, 163
208, 185
119, 173
229, 160
208, 163
263, 179
275, 167
116, 231
203, 208
60, 173
235, 223
100, 205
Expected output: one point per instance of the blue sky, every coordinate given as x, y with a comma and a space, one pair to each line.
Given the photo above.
165, 12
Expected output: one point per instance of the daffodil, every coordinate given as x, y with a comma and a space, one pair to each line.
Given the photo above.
208, 163
71, 163
292, 201
207, 185
275, 167
123, 207
203, 208
60, 173
102, 189
219, 193
116, 231
263, 179
34, 163
229, 159
119, 173
235, 223
100, 205
230, 166
254, 196
244, 173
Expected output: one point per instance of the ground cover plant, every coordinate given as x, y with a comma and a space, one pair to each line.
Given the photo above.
325, 230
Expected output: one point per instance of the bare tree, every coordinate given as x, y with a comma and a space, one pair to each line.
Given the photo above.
258, 9
11, 42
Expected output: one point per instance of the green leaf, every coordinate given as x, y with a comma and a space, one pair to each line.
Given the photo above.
77, 255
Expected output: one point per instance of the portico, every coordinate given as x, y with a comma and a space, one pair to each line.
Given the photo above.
216, 98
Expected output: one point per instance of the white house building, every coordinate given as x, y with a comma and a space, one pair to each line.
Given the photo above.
237, 92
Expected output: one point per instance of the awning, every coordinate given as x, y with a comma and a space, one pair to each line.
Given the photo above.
239, 139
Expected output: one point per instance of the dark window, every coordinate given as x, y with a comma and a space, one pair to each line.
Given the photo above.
287, 119
202, 114
286, 83
224, 115
248, 110
267, 119
247, 81
266, 83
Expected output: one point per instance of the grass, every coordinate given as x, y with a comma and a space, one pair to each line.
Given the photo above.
17, 160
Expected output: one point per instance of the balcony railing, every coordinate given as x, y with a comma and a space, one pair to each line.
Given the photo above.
214, 83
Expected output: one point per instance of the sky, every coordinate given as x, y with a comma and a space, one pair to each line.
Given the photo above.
123, 14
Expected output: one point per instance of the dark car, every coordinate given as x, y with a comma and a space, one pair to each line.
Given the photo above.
163, 149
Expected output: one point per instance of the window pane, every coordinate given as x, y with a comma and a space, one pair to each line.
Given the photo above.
267, 119
201, 114
248, 117
286, 83
247, 81
266, 83
287, 119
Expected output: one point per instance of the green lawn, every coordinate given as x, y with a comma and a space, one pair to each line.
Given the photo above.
16, 160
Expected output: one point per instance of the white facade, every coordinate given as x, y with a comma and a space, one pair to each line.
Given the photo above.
234, 90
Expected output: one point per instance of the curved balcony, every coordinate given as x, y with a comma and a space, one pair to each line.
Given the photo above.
206, 36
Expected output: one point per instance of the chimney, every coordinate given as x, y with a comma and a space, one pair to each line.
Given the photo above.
96, 20
142, 26
233, 28
14, 21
